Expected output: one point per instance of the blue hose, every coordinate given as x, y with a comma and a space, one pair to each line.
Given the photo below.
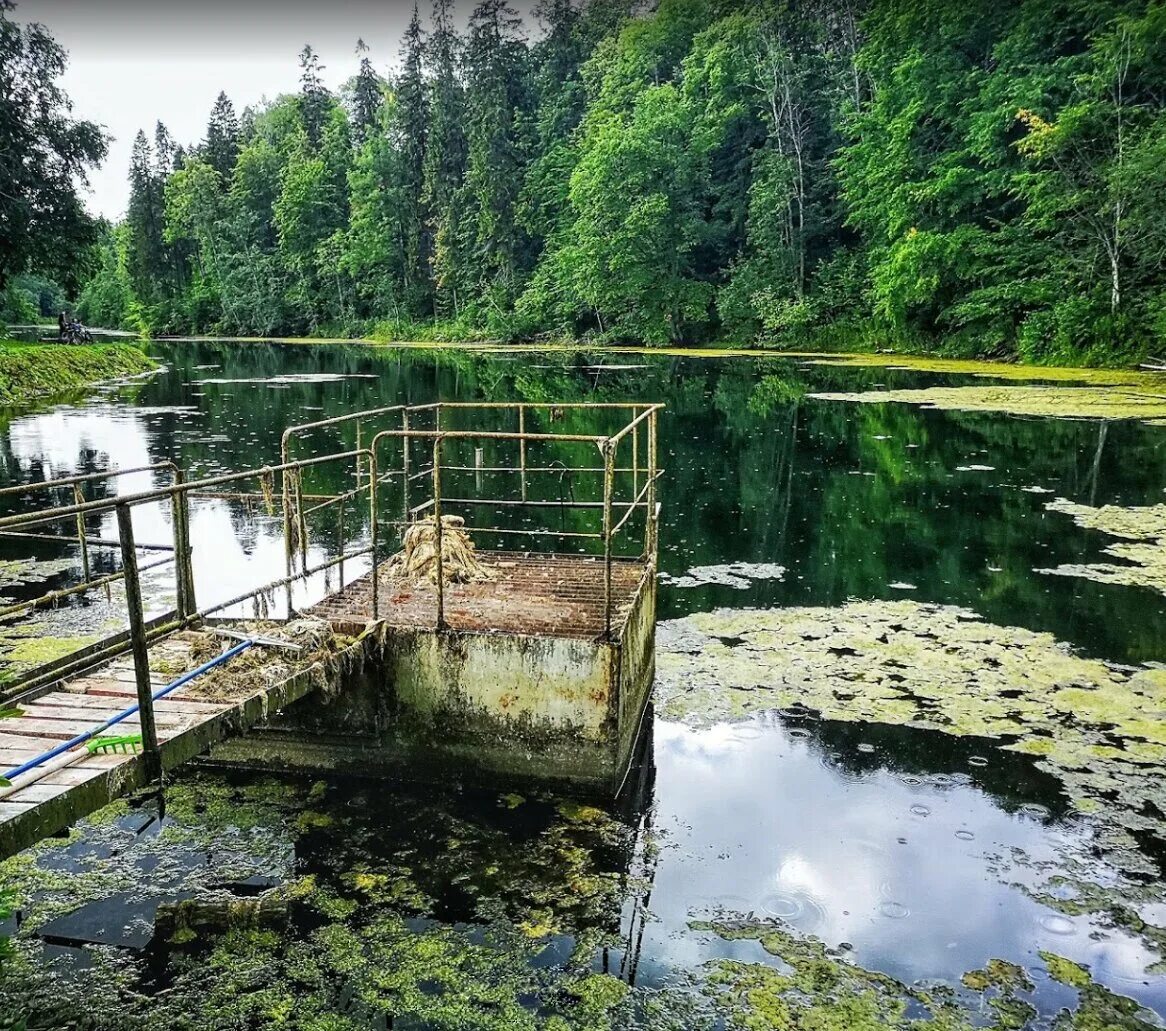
186, 678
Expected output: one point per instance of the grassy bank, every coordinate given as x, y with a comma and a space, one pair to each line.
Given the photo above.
29, 371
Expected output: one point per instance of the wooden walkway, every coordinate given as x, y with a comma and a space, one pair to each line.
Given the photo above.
188, 722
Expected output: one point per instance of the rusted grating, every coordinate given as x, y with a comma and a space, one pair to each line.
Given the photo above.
540, 595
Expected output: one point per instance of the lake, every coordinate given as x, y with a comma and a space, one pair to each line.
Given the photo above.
905, 763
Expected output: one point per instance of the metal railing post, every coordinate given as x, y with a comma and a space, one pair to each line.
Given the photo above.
372, 530
522, 447
129, 560
650, 528
635, 457
608, 477
340, 538
405, 460
437, 533
184, 568
78, 499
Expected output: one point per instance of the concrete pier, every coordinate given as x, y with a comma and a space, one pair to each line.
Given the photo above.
522, 684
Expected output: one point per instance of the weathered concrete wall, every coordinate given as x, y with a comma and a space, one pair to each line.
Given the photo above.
495, 708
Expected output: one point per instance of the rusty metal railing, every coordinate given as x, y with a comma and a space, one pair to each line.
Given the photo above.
615, 514
141, 632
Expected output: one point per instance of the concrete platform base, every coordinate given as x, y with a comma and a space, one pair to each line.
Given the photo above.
547, 698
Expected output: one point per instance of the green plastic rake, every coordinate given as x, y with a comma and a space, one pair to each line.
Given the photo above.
125, 743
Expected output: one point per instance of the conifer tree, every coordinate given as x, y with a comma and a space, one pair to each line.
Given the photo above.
222, 138
445, 160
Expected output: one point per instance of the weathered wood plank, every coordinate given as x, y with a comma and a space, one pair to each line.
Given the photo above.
102, 700
98, 714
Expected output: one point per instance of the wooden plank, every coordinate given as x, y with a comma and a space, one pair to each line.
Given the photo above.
98, 714
65, 700
62, 730
114, 689
9, 810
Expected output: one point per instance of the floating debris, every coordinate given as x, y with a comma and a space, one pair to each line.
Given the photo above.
418, 557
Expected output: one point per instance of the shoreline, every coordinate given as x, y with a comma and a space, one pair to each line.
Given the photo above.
1116, 376
34, 371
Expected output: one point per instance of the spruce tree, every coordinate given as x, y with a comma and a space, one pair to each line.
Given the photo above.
445, 160
498, 102
412, 124
314, 97
222, 138
366, 96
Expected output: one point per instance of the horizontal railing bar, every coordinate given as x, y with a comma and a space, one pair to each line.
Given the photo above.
538, 404
66, 481
337, 419
247, 495
47, 599
577, 438
99, 542
534, 504
532, 469
399, 523
171, 491
283, 581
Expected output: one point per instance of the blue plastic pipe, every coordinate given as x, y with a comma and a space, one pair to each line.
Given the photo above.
126, 713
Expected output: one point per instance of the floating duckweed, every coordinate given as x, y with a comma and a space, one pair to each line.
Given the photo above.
1099, 728
1066, 971
999, 370
1143, 549
817, 987
1059, 402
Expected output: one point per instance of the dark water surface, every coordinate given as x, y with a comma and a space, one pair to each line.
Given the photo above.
901, 846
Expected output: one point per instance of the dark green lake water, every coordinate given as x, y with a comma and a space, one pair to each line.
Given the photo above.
901, 846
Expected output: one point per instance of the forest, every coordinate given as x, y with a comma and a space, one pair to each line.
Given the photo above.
977, 179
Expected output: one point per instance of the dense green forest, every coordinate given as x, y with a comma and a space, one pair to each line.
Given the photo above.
980, 178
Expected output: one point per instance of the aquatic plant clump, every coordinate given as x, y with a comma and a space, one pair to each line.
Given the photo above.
738, 575
1143, 548
418, 556
1100, 729
1088, 402
822, 988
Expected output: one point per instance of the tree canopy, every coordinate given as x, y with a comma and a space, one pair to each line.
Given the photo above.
45, 155
981, 178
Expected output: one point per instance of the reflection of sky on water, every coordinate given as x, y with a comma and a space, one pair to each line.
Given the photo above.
232, 556
757, 821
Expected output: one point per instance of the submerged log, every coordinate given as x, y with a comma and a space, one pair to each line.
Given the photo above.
182, 922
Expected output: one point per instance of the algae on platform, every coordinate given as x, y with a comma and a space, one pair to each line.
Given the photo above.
1143, 548
1054, 401
1099, 728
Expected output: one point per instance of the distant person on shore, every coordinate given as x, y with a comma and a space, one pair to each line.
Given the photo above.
62, 325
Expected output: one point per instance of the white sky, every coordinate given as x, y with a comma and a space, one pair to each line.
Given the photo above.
133, 62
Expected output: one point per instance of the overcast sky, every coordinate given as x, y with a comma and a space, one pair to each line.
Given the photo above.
133, 62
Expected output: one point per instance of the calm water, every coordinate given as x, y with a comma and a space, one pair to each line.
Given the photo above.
888, 840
